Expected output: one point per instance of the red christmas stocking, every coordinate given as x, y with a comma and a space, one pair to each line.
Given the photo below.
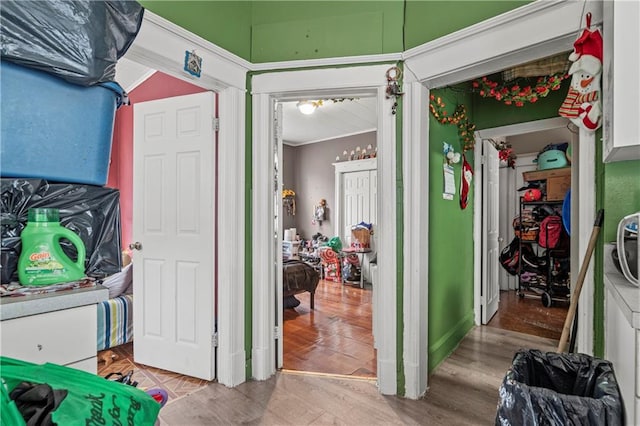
465, 182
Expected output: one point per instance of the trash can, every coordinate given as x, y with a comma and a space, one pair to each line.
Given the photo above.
559, 389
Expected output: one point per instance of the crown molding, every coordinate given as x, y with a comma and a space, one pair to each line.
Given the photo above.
326, 62
161, 44
538, 29
196, 39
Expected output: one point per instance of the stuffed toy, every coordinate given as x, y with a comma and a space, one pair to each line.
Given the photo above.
582, 104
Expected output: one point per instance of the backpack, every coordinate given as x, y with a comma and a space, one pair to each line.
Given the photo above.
550, 231
510, 255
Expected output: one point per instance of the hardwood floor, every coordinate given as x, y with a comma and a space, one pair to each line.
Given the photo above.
527, 315
335, 337
463, 390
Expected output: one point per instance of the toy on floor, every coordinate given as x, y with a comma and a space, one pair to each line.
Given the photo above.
159, 395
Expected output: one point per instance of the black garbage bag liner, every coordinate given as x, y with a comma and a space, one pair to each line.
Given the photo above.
77, 40
559, 389
92, 212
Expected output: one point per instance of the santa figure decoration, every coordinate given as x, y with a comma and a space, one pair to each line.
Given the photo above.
582, 104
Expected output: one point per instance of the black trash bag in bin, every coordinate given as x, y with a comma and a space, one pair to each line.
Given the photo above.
77, 40
559, 389
92, 212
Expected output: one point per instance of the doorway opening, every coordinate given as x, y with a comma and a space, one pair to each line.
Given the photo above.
267, 91
533, 296
334, 335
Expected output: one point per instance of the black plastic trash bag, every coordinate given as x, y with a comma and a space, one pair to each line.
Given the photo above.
77, 40
92, 212
559, 389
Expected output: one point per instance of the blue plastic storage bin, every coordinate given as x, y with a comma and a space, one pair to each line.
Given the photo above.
55, 130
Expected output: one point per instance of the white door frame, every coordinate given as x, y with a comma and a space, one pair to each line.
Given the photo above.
328, 82
533, 31
161, 45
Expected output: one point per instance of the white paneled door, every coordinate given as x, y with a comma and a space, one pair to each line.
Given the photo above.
357, 199
491, 226
173, 226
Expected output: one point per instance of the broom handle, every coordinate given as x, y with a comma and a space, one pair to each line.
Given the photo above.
562, 345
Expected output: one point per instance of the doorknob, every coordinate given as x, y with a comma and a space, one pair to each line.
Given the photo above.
135, 246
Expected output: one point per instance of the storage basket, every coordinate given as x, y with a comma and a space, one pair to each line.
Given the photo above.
360, 237
527, 230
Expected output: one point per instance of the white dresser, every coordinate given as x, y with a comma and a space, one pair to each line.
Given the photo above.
59, 327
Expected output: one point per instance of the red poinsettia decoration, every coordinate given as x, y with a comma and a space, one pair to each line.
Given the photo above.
505, 153
516, 95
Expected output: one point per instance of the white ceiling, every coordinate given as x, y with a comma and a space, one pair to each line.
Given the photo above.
329, 121
338, 119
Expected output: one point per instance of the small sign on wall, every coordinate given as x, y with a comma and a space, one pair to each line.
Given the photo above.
449, 183
192, 63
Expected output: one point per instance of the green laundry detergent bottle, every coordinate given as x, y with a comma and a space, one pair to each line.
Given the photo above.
42, 260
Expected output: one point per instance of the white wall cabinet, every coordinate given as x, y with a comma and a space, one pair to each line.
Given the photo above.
621, 84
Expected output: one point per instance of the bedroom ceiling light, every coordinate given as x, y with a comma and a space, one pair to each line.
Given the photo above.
307, 107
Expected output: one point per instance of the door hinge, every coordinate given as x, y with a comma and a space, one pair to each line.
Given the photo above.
214, 340
276, 333
216, 124
482, 159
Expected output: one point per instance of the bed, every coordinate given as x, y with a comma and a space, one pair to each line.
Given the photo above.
298, 277
115, 315
115, 321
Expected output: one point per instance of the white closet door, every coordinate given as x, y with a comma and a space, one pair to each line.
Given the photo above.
356, 200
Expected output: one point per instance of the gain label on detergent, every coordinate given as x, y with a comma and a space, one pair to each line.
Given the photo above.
42, 260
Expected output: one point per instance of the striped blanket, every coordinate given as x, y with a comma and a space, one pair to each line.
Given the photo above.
115, 321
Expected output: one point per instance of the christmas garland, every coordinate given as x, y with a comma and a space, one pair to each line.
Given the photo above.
516, 95
466, 129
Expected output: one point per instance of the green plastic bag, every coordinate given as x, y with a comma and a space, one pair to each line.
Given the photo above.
9, 413
335, 244
91, 399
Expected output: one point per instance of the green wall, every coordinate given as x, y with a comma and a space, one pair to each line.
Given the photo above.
268, 31
428, 20
224, 23
621, 194
291, 30
450, 313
